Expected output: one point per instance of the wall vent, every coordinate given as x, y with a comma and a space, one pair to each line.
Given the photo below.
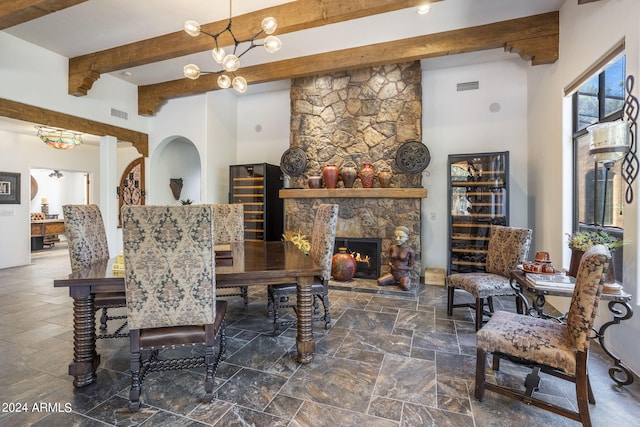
468, 86
119, 114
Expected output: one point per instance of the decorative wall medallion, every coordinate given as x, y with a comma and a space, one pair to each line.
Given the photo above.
413, 157
293, 162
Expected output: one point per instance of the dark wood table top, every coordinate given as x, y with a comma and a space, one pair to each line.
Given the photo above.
254, 263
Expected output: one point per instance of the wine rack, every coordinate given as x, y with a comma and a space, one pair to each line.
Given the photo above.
478, 197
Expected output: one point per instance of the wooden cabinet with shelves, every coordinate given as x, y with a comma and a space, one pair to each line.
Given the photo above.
478, 198
256, 186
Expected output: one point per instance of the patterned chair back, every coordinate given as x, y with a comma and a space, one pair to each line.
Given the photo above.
229, 223
586, 295
169, 265
86, 235
323, 237
508, 247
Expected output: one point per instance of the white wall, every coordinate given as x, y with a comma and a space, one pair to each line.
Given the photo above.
21, 153
263, 127
461, 123
37, 77
586, 33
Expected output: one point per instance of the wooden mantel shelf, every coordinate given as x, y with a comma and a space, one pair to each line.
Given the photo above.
371, 193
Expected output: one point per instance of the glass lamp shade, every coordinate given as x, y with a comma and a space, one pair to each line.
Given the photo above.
224, 81
191, 71
59, 139
231, 63
218, 54
609, 142
272, 44
240, 84
269, 24
192, 28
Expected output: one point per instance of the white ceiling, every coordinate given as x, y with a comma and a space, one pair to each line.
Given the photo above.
100, 24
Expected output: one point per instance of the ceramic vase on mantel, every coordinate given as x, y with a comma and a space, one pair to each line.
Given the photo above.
349, 173
385, 179
330, 176
343, 266
367, 175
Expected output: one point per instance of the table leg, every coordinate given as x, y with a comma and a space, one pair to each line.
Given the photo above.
619, 367
304, 339
523, 301
85, 359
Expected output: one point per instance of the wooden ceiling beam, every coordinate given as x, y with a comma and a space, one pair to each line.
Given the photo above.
14, 12
45, 117
535, 38
293, 16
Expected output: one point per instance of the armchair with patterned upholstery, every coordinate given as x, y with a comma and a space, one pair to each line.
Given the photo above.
87, 241
508, 247
229, 228
545, 345
323, 239
169, 263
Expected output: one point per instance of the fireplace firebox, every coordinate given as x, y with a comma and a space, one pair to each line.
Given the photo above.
366, 252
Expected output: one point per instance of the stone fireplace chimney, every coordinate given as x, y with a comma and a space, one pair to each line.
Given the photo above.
362, 116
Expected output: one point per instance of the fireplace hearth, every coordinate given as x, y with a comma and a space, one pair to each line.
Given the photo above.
366, 252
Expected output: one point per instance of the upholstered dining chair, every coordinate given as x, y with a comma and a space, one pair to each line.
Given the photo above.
508, 247
323, 238
169, 264
87, 241
557, 349
229, 228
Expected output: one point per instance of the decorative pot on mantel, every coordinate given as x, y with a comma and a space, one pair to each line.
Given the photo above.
385, 179
330, 176
349, 174
367, 175
343, 266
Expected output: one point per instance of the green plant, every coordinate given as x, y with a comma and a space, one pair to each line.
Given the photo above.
583, 240
186, 202
298, 239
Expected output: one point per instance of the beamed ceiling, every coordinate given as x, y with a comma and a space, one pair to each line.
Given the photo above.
535, 38
142, 41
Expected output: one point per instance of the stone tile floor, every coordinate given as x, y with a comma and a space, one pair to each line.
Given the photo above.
390, 359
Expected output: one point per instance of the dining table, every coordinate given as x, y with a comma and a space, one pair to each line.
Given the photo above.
252, 263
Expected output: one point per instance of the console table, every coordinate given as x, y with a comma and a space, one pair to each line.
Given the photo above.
44, 232
618, 305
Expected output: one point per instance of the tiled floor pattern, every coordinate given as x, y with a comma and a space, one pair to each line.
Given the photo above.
392, 359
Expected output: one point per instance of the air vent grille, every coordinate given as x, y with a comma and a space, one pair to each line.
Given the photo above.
120, 114
468, 86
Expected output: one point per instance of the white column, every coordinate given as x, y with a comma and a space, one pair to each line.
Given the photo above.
108, 196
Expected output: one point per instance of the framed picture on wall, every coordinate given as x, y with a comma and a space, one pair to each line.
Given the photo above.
9, 188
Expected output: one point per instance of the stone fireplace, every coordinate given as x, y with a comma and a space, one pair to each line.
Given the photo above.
362, 116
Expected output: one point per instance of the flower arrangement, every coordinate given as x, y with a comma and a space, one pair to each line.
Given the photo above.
583, 240
300, 240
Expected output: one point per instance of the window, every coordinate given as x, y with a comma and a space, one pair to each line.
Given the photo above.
598, 191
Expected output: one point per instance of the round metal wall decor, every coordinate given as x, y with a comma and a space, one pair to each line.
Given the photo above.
413, 157
293, 162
